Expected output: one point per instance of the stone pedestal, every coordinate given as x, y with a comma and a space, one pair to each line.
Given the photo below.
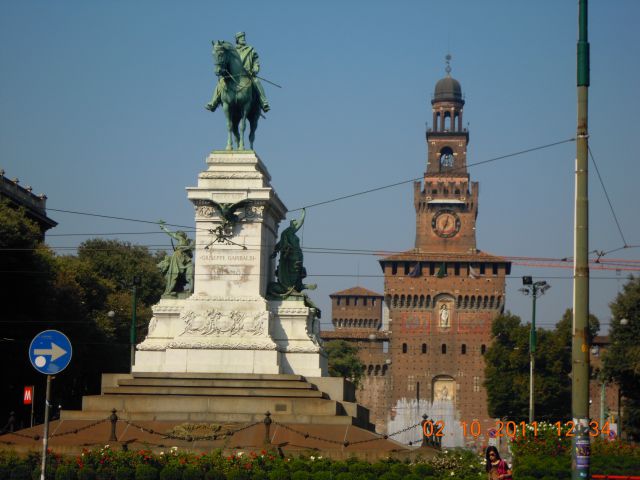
227, 325
296, 333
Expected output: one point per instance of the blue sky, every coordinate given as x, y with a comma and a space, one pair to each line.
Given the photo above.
101, 108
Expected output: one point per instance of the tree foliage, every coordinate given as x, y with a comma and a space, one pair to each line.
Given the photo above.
622, 358
73, 294
507, 369
344, 360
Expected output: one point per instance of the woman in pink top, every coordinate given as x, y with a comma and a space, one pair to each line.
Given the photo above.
497, 469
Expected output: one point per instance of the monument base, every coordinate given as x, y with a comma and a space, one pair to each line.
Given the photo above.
204, 334
296, 333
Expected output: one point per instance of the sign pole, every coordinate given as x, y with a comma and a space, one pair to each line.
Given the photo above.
45, 437
50, 353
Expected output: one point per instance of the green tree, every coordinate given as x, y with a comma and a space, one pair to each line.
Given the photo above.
27, 278
344, 360
622, 358
507, 369
73, 294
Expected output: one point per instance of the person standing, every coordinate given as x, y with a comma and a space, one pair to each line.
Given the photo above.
497, 469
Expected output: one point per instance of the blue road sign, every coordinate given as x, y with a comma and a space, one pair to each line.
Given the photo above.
50, 352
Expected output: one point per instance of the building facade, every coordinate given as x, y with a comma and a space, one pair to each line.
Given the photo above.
35, 206
441, 297
356, 314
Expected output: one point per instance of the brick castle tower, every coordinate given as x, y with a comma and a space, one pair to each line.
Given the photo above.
440, 297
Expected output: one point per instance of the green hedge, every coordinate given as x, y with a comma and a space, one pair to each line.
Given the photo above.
536, 461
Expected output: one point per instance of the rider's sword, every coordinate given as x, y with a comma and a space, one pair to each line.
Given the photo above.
268, 81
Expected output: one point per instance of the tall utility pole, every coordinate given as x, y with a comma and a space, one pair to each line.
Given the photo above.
536, 290
581, 446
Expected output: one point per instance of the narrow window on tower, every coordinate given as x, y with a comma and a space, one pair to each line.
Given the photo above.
483, 349
444, 348
404, 348
456, 269
463, 349
339, 301
476, 384
482, 268
424, 348
394, 268
495, 269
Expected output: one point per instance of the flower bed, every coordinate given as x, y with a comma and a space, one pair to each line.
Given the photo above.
108, 464
542, 458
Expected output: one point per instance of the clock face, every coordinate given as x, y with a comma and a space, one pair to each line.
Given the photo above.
446, 160
445, 223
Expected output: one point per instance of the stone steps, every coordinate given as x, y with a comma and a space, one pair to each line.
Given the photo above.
208, 417
248, 391
219, 398
172, 403
213, 383
221, 376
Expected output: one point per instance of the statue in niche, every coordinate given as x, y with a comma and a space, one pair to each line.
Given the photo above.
444, 316
290, 271
177, 268
444, 393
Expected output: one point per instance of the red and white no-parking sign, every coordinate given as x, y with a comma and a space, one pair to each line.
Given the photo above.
28, 395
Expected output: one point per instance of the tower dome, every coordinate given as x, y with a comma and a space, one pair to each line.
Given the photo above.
448, 88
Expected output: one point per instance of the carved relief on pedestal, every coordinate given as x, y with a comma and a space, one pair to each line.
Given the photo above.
152, 325
255, 211
230, 175
224, 324
215, 344
205, 211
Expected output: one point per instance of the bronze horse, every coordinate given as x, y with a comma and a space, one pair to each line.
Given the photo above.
240, 100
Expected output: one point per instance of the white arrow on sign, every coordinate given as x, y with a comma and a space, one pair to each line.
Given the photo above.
55, 351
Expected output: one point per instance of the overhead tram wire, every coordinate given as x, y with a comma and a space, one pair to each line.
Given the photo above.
606, 194
111, 217
344, 197
97, 234
551, 262
482, 162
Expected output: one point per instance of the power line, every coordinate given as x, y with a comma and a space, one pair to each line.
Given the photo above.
95, 234
564, 262
351, 275
482, 162
111, 217
606, 194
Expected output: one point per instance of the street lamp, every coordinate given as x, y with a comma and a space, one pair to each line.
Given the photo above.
535, 289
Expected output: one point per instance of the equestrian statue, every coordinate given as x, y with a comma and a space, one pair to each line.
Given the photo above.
239, 90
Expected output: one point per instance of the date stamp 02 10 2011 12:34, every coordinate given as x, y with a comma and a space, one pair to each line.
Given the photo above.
512, 429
